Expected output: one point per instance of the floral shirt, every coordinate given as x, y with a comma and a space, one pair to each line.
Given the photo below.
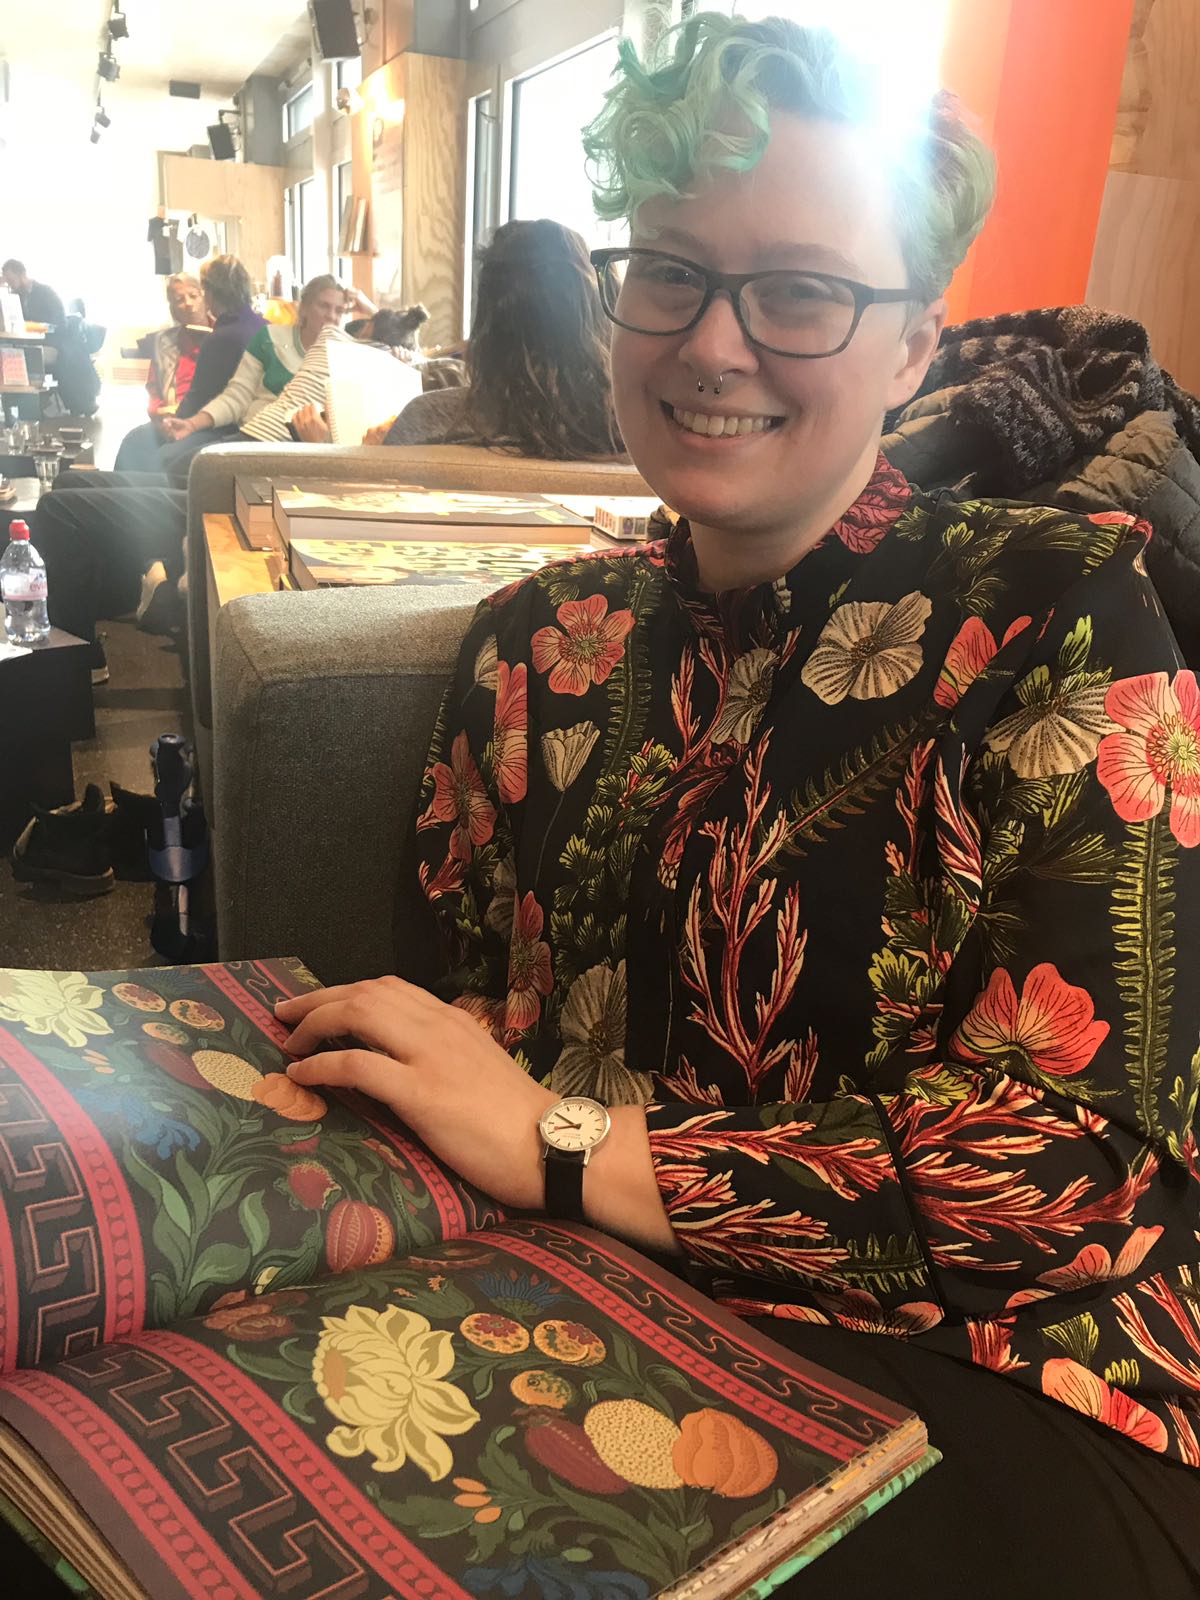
877, 884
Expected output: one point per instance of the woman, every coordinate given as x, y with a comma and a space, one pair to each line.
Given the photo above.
272, 358
538, 381
847, 845
173, 352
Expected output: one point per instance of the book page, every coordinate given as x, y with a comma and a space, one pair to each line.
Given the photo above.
366, 386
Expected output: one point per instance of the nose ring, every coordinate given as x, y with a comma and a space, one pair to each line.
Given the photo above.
716, 385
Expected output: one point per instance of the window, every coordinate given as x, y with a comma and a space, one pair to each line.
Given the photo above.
305, 246
348, 74
343, 190
298, 112
549, 108
481, 158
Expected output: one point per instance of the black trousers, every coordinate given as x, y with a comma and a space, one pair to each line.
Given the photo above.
139, 450
1030, 1500
98, 532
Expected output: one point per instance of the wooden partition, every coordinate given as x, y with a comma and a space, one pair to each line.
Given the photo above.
239, 192
1147, 256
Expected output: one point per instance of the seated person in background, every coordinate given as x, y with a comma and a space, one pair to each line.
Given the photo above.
847, 844
537, 362
39, 303
174, 352
227, 294
272, 357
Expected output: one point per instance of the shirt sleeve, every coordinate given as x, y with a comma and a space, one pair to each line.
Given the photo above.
1053, 1115
464, 831
220, 355
245, 386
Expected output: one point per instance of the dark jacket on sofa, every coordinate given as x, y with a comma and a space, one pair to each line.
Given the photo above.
1065, 407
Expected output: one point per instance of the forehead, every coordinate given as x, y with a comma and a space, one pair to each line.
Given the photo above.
820, 197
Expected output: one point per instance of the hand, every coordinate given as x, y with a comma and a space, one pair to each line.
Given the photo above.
176, 427
379, 435
311, 426
438, 1070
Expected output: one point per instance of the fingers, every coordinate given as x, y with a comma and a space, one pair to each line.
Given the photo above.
378, 1076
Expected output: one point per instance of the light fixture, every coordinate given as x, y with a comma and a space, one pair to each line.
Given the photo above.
103, 120
108, 66
95, 135
118, 27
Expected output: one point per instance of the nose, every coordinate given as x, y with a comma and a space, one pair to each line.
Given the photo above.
717, 344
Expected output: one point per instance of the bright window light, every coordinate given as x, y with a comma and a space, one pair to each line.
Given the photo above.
906, 38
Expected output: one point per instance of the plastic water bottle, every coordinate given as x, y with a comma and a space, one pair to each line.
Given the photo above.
23, 588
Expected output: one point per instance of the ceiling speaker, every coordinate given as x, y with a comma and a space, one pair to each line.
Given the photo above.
336, 28
220, 139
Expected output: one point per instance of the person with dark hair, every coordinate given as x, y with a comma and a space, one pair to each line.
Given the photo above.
538, 357
227, 294
39, 302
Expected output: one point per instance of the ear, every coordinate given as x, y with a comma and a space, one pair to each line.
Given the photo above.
917, 348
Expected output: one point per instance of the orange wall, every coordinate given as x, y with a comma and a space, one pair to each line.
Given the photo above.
1043, 78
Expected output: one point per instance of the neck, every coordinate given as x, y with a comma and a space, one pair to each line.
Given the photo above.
728, 559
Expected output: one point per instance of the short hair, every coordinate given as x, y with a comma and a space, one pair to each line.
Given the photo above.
182, 277
399, 329
17, 268
318, 285
666, 125
226, 283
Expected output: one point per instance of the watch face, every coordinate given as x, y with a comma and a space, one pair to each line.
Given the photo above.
576, 1123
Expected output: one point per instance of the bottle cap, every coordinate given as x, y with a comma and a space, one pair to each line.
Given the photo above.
18, 530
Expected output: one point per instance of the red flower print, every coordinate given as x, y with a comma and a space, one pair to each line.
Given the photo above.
1158, 751
991, 1344
1073, 1385
512, 723
1052, 1029
860, 1310
1093, 1264
529, 974
459, 797
972, 650
862, 528
588, 650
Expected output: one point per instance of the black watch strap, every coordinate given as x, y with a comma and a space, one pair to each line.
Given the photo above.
564, 1184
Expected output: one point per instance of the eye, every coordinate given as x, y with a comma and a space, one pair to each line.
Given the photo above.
659, 272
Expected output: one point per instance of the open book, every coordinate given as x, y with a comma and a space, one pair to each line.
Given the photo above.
255, 1340
366, 386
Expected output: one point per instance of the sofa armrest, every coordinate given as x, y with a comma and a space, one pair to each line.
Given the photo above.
325, 706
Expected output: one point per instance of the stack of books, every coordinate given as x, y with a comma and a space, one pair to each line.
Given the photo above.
255, 1340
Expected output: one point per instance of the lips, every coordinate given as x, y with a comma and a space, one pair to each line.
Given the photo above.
710, 425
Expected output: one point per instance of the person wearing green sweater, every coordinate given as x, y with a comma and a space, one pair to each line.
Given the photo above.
271, 359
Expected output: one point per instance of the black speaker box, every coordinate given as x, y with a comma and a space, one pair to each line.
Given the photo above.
335, 28
182, 90
220, 139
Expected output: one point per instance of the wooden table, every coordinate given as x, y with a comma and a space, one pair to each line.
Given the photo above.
45, 706
232, 570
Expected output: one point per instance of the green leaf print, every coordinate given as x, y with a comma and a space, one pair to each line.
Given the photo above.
1079, 1337
1144, 927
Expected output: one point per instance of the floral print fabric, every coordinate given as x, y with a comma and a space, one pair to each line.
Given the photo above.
877, 884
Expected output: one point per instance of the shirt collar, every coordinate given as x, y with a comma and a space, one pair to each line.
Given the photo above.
762, 614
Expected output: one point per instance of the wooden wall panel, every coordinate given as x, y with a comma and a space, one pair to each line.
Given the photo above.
248, 194
434, 192
1147, 248
1158, 120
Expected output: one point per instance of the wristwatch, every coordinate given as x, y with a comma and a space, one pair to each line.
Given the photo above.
570, 1131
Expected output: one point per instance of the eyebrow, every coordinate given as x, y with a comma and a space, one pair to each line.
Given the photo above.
784, 252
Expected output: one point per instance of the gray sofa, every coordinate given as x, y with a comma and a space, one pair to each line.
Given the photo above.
314, 719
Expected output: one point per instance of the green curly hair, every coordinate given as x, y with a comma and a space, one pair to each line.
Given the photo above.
703, 105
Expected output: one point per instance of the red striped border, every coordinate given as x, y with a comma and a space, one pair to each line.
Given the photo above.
249, 1005
446, 1197
144, 1496
376, 1541
10, 1291
658, 1338
107, 1191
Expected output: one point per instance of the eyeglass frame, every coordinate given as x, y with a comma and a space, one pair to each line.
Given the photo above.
732, 283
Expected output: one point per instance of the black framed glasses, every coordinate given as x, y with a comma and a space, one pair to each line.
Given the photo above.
805, 315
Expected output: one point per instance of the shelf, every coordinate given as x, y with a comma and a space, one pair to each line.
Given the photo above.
22, 388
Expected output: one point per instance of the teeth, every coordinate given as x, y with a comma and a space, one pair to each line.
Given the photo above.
718, 427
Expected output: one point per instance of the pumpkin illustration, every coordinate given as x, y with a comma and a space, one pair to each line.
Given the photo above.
636, 1441
539, 1388
139, 997
563, 1448
278, 1093
719, 1452
311, 1184
488, 1331
569, 1341
357, 1235
228, 1073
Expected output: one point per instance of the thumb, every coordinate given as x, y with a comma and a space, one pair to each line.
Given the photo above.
379, 1076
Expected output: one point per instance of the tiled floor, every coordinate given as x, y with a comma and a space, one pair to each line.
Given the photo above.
145, 697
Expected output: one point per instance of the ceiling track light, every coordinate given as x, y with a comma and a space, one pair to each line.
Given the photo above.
118, 26
108, 66
103, 120
95, 135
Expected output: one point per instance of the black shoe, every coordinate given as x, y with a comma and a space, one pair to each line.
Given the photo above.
69, 847
130, 816
99, 663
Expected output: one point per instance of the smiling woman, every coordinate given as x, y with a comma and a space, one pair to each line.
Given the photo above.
860, 891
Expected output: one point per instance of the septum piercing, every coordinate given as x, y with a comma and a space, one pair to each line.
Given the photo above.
716, 386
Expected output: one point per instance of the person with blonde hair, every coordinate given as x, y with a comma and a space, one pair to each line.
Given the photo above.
833, 865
